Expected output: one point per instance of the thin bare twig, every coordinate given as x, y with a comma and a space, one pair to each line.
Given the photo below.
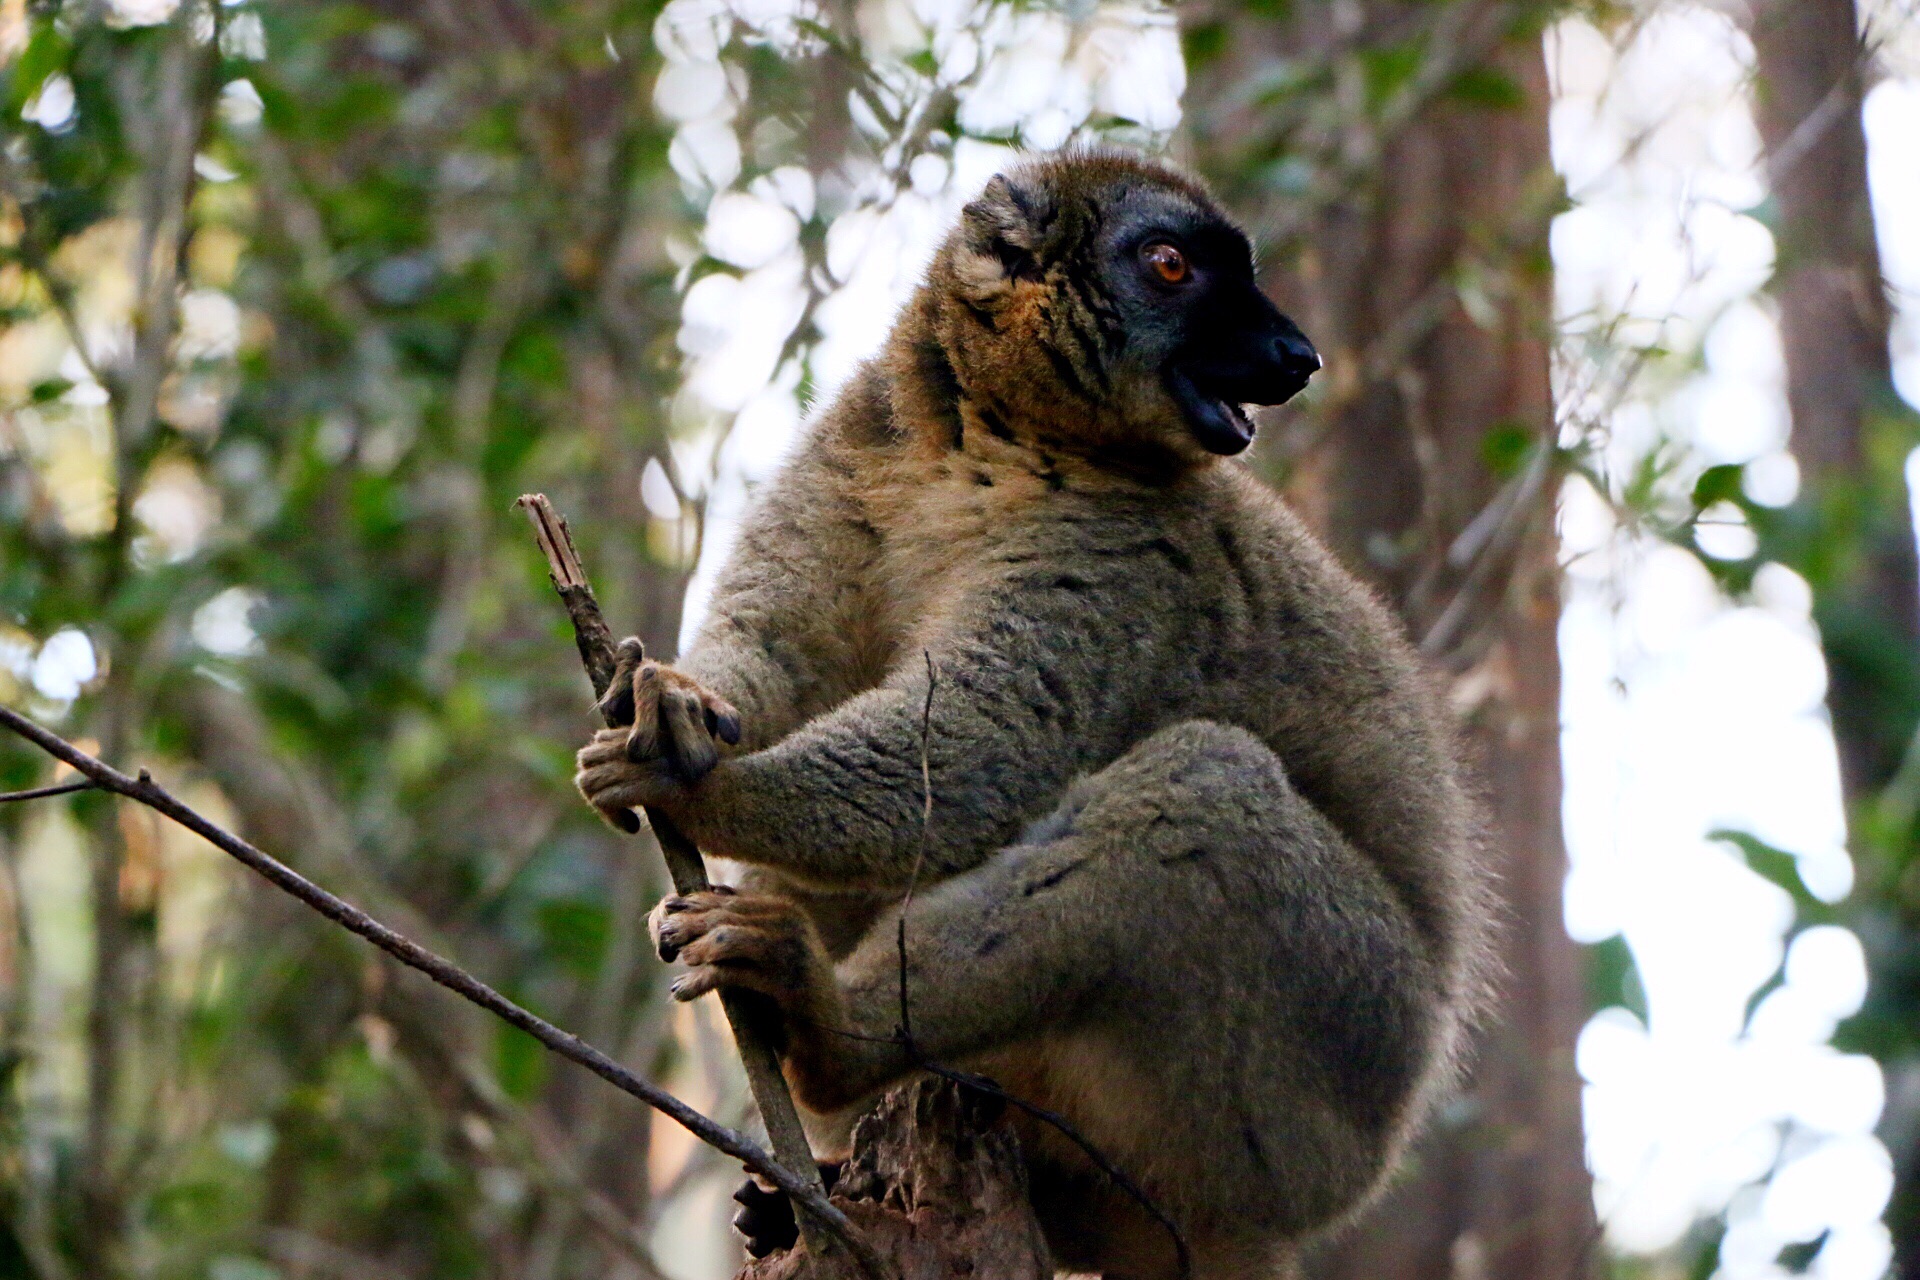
146, 791
1487, 551
41, 793
689, 875
919, 858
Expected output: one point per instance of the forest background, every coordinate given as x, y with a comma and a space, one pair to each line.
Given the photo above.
1619, 301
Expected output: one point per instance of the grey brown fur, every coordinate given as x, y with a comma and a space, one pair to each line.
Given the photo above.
1200, 870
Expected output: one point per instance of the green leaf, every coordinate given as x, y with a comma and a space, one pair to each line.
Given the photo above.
1505, 446
1487, 87
1613, 978
1203, 43
1719, 484
1390, 68
1781, 868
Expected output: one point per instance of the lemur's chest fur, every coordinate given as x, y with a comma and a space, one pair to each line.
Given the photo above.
950, 522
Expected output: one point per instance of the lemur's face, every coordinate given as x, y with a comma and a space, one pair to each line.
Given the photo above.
1104, 282
1182, 278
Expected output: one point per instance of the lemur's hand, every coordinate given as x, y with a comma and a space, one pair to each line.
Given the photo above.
669, 724
616, 786
669, 716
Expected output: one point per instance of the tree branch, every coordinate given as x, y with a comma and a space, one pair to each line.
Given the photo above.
146, 791
41, 793
689, 875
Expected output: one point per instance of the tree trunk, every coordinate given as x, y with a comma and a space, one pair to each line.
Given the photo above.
938, 1187
1850, 532
1418, 264
1834, 319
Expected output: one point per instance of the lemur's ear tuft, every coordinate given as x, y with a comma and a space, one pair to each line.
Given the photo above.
1000, 236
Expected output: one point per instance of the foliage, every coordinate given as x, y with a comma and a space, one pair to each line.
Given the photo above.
419, 274
270, 378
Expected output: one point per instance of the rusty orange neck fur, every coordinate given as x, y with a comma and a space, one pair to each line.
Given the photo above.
978, 378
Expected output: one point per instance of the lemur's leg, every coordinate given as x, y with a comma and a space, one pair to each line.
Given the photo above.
1184, 943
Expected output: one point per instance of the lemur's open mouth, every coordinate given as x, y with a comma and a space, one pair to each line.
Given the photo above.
1220, 425
1217, 416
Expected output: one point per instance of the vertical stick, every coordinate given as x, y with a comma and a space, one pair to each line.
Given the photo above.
684, 865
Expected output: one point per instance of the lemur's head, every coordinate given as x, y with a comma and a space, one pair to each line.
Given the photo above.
1115, 284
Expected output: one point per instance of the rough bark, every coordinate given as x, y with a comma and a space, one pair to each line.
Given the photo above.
938, 1187
1423, 277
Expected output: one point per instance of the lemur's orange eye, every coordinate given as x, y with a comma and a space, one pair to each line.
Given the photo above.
1167, 262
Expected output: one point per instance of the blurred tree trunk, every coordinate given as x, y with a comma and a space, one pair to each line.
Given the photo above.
1834, 319
1413, 250
1850, 533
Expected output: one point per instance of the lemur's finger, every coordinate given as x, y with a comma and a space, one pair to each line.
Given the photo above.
679, 918
643, 740
620, 817
696, 982
697, 913
616, 704
660, 924
618, 784
608, 745
593, 776
689, 742
723, 719
742, 945
615, 786
711, 898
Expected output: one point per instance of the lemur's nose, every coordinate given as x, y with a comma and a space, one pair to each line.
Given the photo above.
1295, 355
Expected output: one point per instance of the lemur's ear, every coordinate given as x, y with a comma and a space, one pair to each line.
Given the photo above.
1000, 236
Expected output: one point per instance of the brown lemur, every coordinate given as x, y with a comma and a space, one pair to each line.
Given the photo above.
1200, 874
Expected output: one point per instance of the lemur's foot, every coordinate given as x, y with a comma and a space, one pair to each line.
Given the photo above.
747, 941
766, 1215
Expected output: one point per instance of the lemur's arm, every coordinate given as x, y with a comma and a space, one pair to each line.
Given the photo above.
1035, 680
770, 623
774, 642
